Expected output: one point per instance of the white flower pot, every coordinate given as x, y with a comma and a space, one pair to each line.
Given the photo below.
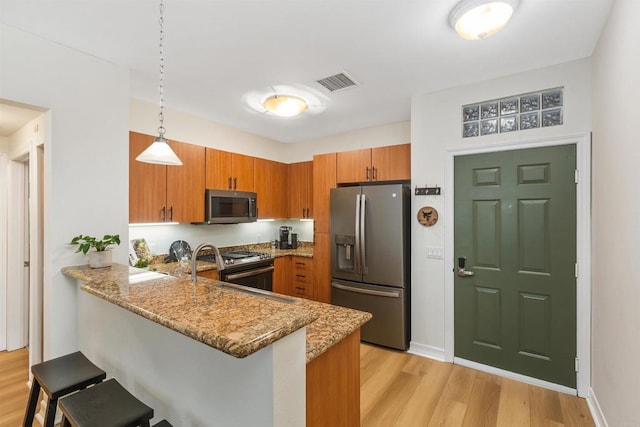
99, 259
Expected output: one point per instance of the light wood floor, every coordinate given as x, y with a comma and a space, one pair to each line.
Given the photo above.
14, 374
397, 389
400, 389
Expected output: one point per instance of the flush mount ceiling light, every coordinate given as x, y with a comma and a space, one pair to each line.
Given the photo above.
285, 105
285, 101
479, 19
160, 152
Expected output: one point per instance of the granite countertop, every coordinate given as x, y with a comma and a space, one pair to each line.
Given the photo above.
236, 323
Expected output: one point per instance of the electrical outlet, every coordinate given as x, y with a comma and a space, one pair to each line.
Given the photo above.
435, 252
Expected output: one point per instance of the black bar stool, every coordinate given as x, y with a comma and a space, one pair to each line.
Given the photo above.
107, 404
58, 377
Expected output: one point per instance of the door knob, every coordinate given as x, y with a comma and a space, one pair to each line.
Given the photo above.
461, 271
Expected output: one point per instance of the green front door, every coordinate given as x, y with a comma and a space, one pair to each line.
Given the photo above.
515, 223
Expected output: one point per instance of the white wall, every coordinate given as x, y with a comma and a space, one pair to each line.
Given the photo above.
86, 159
436, 127
183, 127
378, 136
616, 210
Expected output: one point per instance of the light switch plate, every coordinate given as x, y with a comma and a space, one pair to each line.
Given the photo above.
435, 252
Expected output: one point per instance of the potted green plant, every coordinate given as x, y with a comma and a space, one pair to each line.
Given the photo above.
101, 257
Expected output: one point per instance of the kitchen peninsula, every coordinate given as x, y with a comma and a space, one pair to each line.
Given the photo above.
211, 355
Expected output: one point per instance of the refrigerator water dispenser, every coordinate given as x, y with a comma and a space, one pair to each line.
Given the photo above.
345, 252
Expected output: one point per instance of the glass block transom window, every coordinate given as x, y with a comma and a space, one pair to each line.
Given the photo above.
514, 113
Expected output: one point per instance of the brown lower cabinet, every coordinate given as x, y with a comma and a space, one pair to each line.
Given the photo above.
333, 385
282, 275
209, 274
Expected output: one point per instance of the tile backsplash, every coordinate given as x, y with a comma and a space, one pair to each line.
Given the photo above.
160, 237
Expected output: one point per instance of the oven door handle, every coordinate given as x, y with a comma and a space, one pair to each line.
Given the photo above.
249, 273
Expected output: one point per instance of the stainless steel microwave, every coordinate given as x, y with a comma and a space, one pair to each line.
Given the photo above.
230, 207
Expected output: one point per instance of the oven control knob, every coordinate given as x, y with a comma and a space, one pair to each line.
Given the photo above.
228, 261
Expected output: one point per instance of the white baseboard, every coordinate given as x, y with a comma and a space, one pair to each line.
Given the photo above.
428, 351
515, 376
596, 411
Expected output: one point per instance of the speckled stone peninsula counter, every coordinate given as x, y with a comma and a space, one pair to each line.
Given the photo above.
233, 322
199, 355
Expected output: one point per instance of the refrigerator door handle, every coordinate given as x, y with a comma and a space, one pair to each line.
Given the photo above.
356, 261
390, 294
363, 234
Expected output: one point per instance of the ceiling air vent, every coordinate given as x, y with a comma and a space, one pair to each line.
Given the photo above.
337, 82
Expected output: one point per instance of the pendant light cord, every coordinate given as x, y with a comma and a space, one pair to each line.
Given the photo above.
161, 129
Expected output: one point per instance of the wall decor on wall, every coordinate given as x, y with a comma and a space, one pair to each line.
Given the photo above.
427, 216
513, 113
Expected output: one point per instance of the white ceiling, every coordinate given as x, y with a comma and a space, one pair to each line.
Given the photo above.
217, 51
13, 117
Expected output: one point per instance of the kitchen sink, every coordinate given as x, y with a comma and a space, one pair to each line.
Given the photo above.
137, 275
257, 292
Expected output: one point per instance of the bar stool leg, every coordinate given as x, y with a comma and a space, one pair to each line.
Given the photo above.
50, 419
31, 406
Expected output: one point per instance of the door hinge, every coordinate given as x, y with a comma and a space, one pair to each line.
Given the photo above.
577, 176
576, 270
577, 365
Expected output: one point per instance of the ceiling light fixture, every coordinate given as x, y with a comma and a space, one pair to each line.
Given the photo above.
286, 101
160, 152
285, 105
479, 19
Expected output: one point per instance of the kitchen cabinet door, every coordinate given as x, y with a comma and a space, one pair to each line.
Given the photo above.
322, 267
353, 166
282, 275
300, 190
271, 184
218, 169
392, 163
147, 183
229, 171
242, 168
186, 183
324, 179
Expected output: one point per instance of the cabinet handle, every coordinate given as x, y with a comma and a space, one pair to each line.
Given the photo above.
303, 214
367, 173
164, 213
171, 214
375, 173
230, 188
235, 183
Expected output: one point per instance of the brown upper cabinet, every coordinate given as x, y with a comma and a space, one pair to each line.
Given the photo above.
324, 179
271, 185
229, 171
160, 193
300, 190
390, 163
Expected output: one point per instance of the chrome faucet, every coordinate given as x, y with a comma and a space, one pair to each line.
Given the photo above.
219, 261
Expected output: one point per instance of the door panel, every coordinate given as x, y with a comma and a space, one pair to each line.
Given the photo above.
343, 233
384, 235
515, 222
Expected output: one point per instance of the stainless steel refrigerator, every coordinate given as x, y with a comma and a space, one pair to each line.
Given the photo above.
370, 260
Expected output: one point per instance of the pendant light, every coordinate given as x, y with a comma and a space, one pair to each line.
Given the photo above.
479, 19
160, 152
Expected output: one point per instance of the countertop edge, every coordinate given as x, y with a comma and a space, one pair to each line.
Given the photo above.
304, 316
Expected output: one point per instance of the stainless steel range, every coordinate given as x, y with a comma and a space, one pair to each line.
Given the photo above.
253, 269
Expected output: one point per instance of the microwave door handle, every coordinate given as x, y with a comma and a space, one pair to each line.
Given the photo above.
363, 234
357, 239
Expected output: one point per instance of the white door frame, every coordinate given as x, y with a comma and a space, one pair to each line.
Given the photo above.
4, 174
36, 255
583, 252
17, 293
